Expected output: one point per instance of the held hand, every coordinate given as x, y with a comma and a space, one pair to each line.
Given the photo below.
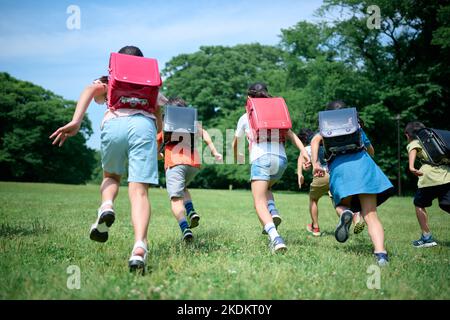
301, 180
306, 162
218, 157
62, 133
416, 172
318, 171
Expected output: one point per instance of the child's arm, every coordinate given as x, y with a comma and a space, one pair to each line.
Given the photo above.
318, 171
72, 128
210, 144
303, 153
371, 150
412, 159
301, 179
238, 157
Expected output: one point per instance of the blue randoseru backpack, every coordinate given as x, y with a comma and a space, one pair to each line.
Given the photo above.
180, 125
340, 131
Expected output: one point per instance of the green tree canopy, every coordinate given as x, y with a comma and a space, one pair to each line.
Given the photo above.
28, 115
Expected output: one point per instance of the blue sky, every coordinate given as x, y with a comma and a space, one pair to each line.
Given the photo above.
38, 47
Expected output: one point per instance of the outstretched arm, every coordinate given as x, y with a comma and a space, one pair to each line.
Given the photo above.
301, 179
371, 150
303, 153
72, 128
318, 171
211, 146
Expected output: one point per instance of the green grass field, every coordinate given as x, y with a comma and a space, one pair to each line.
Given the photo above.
44, 230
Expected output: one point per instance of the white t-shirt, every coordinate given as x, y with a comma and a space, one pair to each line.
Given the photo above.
257, 150
321, 159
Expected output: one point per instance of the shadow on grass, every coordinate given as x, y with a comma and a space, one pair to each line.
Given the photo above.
34, 228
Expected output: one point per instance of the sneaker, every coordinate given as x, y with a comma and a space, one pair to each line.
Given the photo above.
315, 231
382, 259
137, 263
99, 230
345, 221
424, 242
359, 223
278, 245
193, 219
276, 221
188, 235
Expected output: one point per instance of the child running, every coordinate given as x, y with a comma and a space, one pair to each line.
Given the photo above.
126, 134
320, 186
182, 165
357, 184
268, 163
433, 183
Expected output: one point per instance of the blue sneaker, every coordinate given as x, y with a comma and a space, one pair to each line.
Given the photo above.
382, 259
278, 245
424, 242
345, 221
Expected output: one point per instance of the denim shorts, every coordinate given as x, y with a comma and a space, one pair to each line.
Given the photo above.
131, 138
269, 167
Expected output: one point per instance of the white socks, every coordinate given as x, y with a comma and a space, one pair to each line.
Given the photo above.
271, 230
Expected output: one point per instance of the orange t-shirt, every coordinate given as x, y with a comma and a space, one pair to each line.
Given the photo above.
177, 154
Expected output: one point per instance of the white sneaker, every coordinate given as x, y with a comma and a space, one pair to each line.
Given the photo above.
137, 262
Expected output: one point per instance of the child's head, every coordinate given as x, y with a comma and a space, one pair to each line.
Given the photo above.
258, 90
132, 51
339, 104
412, 128
305, 135
176, 101
336, 105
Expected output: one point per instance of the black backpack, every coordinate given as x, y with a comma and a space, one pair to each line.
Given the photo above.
340, 131
436, 144
180, 125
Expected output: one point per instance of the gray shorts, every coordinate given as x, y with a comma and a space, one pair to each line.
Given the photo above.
178, 178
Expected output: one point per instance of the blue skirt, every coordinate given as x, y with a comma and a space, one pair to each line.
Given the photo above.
356, 173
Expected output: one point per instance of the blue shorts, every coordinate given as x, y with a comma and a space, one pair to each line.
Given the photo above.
131, 138
269, 167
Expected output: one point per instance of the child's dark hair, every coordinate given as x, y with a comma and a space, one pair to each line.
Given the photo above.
176, 101
339, 104
412, 128
305, 135
132, 51
258, 90
336, 105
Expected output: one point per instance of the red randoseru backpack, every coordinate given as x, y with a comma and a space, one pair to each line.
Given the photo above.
133, 82
266, 115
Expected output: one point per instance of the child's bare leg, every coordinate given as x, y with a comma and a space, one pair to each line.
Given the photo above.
178, 208
374, 226
109, 188
187, 195
272, 206
422, 217
314, 212
344, 205
259, 191
140, 212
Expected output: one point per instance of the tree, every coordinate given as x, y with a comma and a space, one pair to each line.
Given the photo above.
28, 115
